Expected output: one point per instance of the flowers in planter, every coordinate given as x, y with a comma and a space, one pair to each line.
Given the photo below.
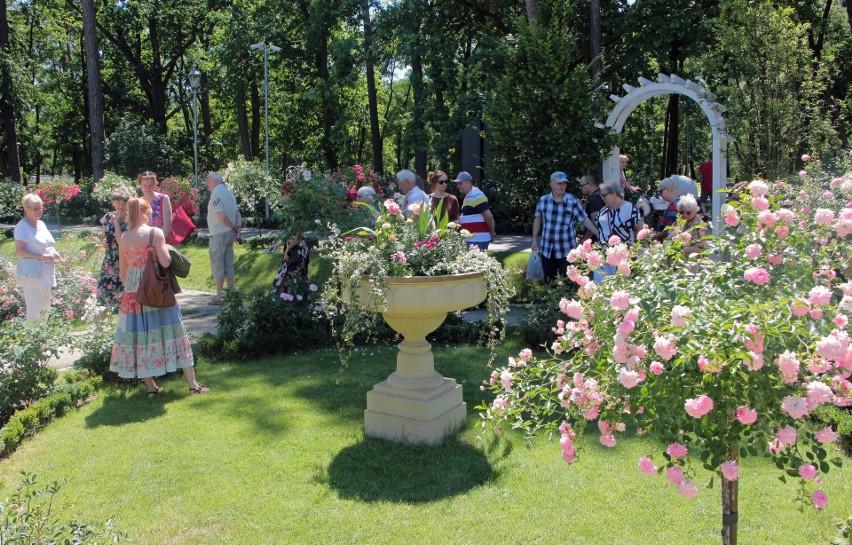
399, 246
722, 355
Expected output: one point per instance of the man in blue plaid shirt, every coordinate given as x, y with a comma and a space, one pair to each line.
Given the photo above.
555, 216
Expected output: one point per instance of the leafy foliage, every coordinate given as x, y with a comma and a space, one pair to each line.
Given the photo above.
32, 515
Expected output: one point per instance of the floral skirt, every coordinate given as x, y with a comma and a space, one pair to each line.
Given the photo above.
149, 342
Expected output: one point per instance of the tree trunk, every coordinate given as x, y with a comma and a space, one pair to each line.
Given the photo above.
418, 125
672, 137
255, 120
93, 84
532, 13
595, 45
242, 120
372, 97
7, 99
730, 500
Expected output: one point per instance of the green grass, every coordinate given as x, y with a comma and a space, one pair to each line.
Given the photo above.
276, 454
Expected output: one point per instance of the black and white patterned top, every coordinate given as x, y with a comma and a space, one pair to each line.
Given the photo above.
621, 222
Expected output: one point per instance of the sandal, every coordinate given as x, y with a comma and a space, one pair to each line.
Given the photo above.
200, 389
152, 393
214, 301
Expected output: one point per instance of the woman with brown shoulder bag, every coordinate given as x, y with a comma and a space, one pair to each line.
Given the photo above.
150, 340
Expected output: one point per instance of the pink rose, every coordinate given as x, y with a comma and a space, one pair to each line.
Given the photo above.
786, 436
525, 354
646, 466
753, 250
679, 315
746, 415
687, 489
806, 157
775, 259
823, 216
799, 308
760, 203
730, 470
628, 379
757, 275
732, 219
788, 363
620, 300
657, 368
820, 499
826, 435
674, 475
607, 440
573, 308
796, 407
808, 472
641, 235
499, 403
665, 347
676, 450
506, 379
698, 407
819, 295
758, 188
392, 207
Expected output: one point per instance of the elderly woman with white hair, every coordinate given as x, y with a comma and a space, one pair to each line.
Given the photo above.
670, 192
693, 225
34, 246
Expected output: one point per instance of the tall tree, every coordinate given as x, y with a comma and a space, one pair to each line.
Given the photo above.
372, 94
8, 98
93, 85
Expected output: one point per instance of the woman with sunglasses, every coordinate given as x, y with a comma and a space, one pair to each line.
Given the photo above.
694, 225
450, 208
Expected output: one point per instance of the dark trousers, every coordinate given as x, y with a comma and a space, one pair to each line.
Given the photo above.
553, 266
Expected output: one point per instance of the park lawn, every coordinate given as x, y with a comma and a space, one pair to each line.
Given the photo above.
254, 270
276, 454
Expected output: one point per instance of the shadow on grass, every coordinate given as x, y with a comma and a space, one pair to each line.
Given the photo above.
128, 405
376, 470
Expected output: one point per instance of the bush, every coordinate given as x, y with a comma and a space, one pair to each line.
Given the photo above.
840, 419
96, 346
25, 351
26, 422
536, 329
32, 515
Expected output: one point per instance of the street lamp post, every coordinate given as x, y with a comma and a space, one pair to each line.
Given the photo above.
195, 83
266, 49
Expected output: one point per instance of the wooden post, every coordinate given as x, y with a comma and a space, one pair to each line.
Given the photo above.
730, 492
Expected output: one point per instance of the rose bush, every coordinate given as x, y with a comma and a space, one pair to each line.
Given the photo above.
719, 356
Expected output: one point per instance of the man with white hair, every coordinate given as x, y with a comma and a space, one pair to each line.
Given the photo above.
224, 223
670, 192
406, 181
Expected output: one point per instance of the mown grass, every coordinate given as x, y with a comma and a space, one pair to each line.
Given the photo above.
276, 454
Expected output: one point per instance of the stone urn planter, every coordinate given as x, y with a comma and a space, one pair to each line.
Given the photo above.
416, 404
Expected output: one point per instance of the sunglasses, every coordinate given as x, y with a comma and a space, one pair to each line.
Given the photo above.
443, 181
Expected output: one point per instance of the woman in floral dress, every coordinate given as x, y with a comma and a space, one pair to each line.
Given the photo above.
149, 342
114, 223
294, 266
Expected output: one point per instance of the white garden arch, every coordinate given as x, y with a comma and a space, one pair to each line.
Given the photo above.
671, 85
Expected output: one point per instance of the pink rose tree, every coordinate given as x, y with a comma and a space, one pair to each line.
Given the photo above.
718, 356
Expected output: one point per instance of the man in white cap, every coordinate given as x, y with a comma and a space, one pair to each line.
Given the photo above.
555, 216
406, 181
476, 215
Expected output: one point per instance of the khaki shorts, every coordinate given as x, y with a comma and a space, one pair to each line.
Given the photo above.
222, 254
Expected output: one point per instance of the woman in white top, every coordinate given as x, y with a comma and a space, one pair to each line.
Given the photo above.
34, 246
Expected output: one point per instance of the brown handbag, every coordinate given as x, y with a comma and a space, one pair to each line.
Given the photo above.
154, 289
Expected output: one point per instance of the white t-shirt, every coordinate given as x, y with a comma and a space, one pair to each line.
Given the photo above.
32, 272
221, 200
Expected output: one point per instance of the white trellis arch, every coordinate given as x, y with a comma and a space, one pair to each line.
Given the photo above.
671, 85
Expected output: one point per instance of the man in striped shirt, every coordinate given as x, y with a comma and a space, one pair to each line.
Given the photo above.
555, 216
476, 216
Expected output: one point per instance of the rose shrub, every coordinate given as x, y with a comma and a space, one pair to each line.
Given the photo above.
719, 356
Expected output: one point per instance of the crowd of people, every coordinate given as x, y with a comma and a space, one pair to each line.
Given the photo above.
149, 342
